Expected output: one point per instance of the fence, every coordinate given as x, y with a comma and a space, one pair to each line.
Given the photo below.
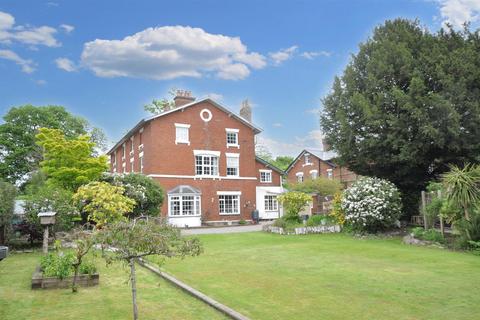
423, 219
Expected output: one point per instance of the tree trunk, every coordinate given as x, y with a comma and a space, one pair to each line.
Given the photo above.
2, 235
75, 275
134, 288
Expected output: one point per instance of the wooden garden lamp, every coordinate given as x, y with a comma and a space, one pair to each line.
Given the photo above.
46, 219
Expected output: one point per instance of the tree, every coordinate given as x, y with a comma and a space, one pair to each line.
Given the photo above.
320, 185
69, 163
103, 203
84, 242
19, 155
263, 153
407, 105
158, 106
282, 162
140, 238
293, 202
146, 192
7, 206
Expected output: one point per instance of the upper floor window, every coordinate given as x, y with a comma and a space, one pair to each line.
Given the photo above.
131, 146
181, 133
266, 176
140, 139
330, 173
233, 164
206, 165
132, 163
140, 160
123, 151
232, 137
299, 176
307, 158
314, 174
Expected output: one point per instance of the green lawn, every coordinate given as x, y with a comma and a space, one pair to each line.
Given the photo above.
266, 276
110, 300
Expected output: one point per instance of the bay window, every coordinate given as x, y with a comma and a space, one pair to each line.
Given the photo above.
183, 205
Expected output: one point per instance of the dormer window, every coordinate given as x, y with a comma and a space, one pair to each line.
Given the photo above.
232, 137
181, 133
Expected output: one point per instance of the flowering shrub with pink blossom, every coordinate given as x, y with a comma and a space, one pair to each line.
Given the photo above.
371, 204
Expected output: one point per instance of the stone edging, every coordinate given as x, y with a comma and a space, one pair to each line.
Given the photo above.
303, 230
195, 293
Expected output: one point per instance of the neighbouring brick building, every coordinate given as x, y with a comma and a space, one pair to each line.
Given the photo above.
203, 155
307, 165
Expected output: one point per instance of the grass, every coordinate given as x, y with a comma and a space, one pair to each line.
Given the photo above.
333, 276
110, 300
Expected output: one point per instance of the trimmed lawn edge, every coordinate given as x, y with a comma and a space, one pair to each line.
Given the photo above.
195, 293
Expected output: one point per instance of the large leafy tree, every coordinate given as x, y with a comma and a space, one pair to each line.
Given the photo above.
69, 163
407, 105
7, 204
19, 154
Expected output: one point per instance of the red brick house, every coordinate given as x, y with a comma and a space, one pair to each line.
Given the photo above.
203, 155
308, 165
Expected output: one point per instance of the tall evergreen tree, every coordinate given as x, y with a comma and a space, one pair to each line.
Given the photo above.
407, 105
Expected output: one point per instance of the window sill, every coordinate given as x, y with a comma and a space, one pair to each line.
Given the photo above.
265, 181
229, 214
182, 142
186, 216
233, 146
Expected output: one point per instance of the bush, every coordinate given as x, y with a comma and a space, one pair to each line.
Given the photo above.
337, 212
428, 235
87, 267
287, 224
293, 202
372, 205
60, 265
146, 192
242, 222
7, 204
317, 220
469, 231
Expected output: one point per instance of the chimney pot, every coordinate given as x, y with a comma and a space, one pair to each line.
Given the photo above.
183, 97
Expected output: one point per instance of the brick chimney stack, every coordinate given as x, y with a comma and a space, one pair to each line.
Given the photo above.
246, 111
183, 97
326, 145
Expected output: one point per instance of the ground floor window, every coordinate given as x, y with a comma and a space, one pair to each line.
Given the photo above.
229, 204
271, 203
183, 206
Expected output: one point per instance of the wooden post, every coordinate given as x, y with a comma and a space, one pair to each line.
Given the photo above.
424, 205
45, 240
442, 227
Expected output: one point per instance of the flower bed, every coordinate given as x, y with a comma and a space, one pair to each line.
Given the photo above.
83, 280
303, 230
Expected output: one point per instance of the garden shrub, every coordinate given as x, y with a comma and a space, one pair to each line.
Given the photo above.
60, 265
7, 204
87, 267
372, 205
321, 185
337, 212
428, 235
293, 202
146, 192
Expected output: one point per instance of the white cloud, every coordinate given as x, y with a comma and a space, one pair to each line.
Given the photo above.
170, 52
66, 64
457, 12
27, 65
215, 96
312, 141
43, 35
277, 125
67, 28
41, 82
310, 55
282, 55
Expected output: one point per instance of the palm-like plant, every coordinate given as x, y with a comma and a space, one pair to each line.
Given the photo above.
462, 187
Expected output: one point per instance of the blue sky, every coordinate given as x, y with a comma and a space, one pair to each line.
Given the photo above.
104, 60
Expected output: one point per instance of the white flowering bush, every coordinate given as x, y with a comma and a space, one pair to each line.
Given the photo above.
371, 204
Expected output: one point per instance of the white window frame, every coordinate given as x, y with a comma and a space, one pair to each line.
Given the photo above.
140, 161
203, 154
330, 174
185, 128
132, 164
235, 196
132, 150
196, 208
299, 176
307, 159
314, 174
232, 156
140, 139
235, 132
266, 173
124, 167
270, 202
124, 151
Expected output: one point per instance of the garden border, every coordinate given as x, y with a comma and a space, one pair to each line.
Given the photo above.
303, 230
195, 293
